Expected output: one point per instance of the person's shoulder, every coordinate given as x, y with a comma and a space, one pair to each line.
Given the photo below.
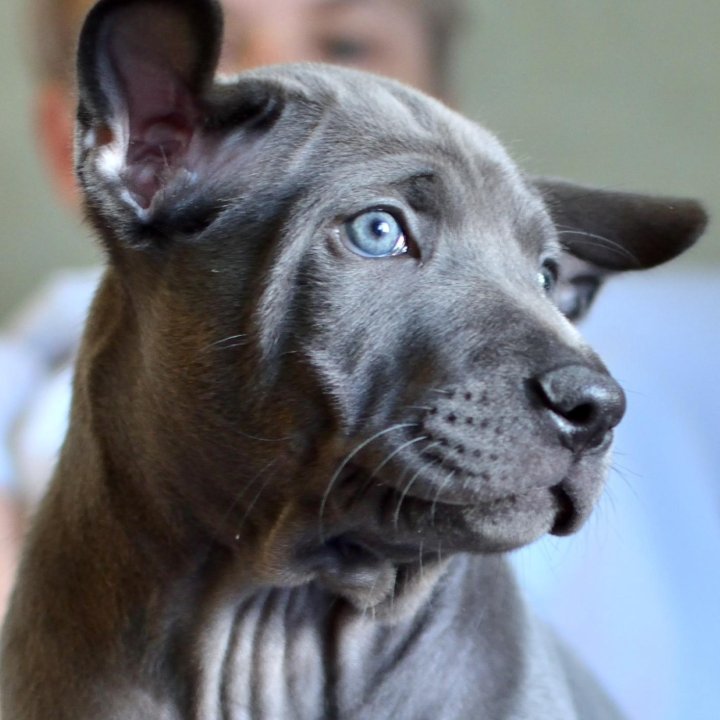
669, 319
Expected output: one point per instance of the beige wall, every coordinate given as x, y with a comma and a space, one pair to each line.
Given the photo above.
604, 91
610, 92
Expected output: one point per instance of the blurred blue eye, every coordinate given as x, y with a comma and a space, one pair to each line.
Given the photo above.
548, 276
376, 234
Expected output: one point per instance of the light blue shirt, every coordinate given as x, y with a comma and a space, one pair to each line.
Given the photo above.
637, 592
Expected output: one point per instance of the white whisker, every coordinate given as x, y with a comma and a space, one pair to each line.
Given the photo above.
397, 450
438, 493
345, 463
607, 242
241, 339
403, 495
257, 438
257, 495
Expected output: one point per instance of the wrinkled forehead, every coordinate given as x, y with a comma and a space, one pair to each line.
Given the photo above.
383, 132
371, 141
368, 119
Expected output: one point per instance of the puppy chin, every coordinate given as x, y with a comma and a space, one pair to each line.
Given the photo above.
391, 590
365, 540
500, 526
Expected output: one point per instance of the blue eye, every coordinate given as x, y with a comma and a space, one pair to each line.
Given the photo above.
375, 234
548, 276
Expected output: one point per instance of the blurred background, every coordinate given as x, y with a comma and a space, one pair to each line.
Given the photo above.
601, 91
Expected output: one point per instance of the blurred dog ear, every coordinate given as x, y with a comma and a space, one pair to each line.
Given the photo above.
604, 232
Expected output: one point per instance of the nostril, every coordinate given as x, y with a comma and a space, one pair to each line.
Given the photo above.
582, 414
584, 404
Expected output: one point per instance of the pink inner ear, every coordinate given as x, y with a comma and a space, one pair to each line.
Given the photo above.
152, 155
161, 112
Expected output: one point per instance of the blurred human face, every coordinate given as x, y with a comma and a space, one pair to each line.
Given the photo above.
390, 37
384, 36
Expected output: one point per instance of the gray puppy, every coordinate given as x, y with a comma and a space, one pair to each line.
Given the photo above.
328, 379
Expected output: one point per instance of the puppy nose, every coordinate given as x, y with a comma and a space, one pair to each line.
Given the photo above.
583, 404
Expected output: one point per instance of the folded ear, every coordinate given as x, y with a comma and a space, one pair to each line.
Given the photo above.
602, 232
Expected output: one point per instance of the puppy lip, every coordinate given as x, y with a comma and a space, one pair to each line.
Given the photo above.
564, 517
477, 497
567, 519
472, 498
433, 495
356, 472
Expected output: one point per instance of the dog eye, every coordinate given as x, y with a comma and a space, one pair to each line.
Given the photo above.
548, 276
375, 234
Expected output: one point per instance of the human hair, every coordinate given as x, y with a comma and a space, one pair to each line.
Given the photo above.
56, 24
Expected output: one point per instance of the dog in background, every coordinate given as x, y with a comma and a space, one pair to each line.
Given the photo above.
329, 378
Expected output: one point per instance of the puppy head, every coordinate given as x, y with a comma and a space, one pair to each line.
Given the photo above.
335, 324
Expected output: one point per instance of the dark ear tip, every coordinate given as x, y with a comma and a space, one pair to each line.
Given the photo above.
685, 221
695, 217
